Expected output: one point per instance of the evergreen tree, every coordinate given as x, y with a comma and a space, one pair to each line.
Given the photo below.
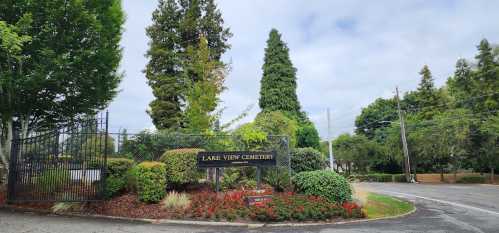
177, 26
278, 84
428, 96
486, 79
461, 85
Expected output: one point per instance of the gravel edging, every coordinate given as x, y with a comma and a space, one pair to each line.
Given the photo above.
200, 223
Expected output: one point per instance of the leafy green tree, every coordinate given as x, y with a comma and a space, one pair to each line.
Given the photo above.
354, 152
277, 123
202, 97
307, 136
278, 84
376, 115
489, 150
67, 68
177, 28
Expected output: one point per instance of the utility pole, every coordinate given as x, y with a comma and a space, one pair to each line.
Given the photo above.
404, 140
331, 159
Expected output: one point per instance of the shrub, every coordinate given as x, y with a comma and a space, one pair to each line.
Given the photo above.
324, 183
176, 200
278, 178
52, 180
118, 166
306, 159
399, 178
116, 180
471, 180
151, 181
230, 179
181, 166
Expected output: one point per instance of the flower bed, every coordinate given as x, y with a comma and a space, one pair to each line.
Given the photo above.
231, 206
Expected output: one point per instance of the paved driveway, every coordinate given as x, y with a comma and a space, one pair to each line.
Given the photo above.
441, 209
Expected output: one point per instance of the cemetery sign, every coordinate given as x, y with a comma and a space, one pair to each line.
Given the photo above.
213, 159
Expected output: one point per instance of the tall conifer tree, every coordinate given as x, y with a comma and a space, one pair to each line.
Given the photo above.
278, 84
427, 95
177, 26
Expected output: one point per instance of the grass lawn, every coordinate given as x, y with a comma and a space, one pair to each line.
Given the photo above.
385, 206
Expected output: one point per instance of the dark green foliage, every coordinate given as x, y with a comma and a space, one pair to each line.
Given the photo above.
471, 180
70, 65
151, 181
116, 180
306, 159
324, 183
177, 26
278, 84
307, 136
51, 180
428, 96
376, 115
181, 166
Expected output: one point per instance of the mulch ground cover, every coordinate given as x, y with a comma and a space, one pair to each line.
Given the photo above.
128, 206
3, 197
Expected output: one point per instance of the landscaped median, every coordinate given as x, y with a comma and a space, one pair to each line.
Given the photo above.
203, 205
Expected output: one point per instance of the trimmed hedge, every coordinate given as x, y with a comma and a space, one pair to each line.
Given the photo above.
324, 183
378, 177
306, 159
181, 166
471, 180
151, 181
116, 181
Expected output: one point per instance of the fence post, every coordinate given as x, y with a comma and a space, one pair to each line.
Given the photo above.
104, 174
11, 185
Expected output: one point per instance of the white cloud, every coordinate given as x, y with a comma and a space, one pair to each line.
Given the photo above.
347, 53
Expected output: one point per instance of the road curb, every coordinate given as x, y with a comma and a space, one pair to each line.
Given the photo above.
200, 223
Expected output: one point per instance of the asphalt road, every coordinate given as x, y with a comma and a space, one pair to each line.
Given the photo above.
441, 208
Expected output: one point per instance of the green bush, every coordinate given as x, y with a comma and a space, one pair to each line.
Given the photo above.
230, 179
324, 183
118, 166
181, 166
278, 178
151, 181
471, 180
378, 177
399, 178
52, 180
306, 159
116, 180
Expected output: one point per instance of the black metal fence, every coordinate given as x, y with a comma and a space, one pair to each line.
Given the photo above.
66, 164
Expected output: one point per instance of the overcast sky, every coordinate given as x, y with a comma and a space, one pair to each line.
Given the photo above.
347, 53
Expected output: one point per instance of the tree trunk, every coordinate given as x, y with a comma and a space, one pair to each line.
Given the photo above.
442, 174
492, 175
5, 145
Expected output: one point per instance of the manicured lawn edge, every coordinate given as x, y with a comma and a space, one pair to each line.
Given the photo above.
377, 202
